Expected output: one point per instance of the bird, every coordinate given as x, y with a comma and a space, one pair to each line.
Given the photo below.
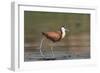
54, 36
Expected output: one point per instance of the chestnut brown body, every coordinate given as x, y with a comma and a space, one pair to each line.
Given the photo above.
53, 36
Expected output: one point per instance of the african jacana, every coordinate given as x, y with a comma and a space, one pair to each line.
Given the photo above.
54, 37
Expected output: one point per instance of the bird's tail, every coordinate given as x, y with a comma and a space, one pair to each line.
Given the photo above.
43, 33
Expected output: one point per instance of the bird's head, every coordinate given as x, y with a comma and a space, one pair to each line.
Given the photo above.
64, 28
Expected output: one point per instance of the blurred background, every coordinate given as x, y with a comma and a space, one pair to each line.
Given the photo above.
75, 45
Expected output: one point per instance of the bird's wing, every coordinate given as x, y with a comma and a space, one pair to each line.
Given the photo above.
53, 35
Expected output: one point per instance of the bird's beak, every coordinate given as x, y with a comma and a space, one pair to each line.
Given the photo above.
67, 30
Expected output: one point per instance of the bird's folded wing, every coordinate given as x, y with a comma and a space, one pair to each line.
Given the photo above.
54, 35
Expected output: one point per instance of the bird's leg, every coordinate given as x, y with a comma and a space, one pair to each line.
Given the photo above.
41, 47
52, 52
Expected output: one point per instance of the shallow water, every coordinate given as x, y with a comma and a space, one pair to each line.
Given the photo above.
76, 47
34, 55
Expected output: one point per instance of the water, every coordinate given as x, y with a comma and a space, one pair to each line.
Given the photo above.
77, 47
31, 55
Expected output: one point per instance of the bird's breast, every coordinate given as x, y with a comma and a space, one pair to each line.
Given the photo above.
63, 34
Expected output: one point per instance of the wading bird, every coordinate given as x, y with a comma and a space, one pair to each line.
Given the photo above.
54, 37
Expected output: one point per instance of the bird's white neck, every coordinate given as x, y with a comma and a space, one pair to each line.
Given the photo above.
63, 32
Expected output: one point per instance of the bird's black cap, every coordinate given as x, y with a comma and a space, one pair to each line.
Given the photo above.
64, 25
